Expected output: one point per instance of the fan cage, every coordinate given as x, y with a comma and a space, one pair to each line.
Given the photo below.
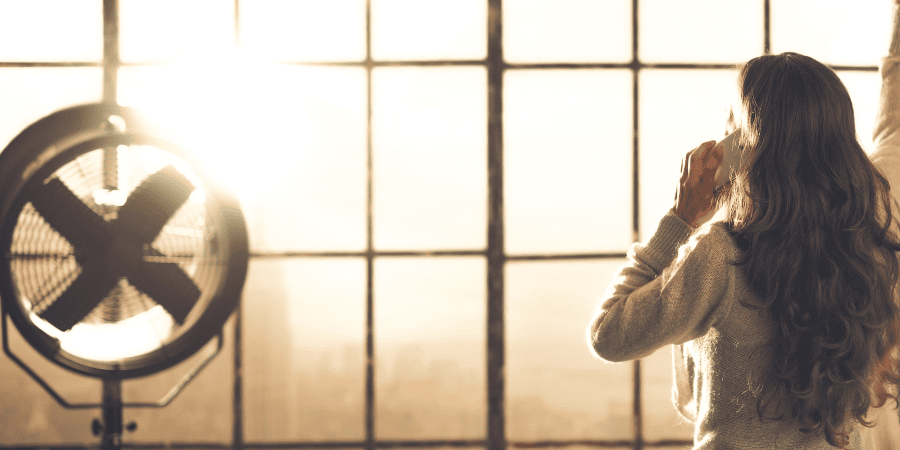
127, 334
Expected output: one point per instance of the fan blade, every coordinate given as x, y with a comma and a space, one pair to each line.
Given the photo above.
153, 203
82, 296
167, 285
70, 217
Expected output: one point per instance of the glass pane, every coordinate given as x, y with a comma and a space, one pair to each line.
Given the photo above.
832, 31
51, 30
207, 400
661, 418
567, 155
413, 29
304, 30
304, 333
567, 31
430, 348
701, 31
679, 110
30, 415
289, 140
429, 136
555, 387
864, 88
166, 30
28, 94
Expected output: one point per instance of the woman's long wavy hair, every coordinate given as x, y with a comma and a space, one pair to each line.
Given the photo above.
813, 216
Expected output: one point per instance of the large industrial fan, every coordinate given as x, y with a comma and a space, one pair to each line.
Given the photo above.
121, 257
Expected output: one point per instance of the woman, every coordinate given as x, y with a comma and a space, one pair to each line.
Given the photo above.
783, 311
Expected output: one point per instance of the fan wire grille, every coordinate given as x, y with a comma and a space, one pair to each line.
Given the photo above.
44, 264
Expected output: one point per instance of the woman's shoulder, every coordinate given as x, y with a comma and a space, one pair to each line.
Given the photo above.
721, 233
714, 238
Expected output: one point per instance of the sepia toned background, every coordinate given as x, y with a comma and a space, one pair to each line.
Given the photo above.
362, 137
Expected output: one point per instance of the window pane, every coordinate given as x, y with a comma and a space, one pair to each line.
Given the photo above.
832, 31
567, 31
304, 30
166, 30
28, 94
289, 140
430, 139
679, 110
416, 29
555, 387
304, 331
567, 155
702, 31
51, 30
430, 347
206, 399
30, 414
864, 88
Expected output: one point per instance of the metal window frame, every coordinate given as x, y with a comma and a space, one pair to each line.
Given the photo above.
495, 253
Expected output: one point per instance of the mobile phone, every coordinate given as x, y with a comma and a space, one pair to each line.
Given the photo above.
731, 158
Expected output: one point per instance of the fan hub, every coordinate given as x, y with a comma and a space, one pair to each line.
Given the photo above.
123, 256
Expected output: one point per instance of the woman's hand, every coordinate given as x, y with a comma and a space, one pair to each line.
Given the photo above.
694, 197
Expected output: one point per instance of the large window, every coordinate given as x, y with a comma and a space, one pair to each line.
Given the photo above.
437, 192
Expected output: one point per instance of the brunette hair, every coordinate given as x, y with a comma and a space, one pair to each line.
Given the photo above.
813, 216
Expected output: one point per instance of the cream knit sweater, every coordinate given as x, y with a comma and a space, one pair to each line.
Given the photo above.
679, 288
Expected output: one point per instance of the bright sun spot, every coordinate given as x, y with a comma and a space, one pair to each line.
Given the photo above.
229, 112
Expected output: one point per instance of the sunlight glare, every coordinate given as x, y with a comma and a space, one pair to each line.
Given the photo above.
333, 30
228, 112
113, 197
116, 197
131, 337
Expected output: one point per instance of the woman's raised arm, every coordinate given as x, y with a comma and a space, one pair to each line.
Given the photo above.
886, 156
886, 135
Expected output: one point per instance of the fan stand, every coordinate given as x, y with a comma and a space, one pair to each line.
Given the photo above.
111, 425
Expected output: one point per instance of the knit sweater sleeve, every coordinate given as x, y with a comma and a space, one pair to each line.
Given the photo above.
886, 135
670, 291
887, 158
